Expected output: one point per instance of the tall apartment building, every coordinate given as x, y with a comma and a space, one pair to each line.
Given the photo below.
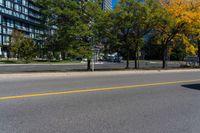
21, 15
107, 5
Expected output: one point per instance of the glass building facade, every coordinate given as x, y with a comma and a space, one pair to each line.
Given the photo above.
21, 15
107, 5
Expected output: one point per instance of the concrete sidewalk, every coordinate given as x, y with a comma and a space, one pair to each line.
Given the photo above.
90, 74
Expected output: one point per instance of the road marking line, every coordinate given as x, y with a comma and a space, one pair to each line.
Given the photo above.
94, 89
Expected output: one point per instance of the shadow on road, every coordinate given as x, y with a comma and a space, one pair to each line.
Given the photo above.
192, 86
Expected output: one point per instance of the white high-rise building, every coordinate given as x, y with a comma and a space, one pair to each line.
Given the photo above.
107, 5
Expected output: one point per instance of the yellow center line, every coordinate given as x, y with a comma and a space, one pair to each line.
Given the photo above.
94, 89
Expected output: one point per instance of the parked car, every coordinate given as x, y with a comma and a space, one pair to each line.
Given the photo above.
191, 61
84, 60
115, 57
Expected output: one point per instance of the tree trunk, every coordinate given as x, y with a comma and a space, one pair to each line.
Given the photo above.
127, 63
136, 56
164, 63
164, 56
88, 64
136, 59
199, 51
63, 55
128, 58
8, 53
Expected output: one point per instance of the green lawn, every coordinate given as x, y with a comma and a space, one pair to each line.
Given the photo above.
37, 62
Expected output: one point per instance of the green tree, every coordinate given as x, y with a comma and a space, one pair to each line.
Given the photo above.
23, 47
107, 32
75, 25
27, 50
134, 20
59, 16
88, 29
16, 40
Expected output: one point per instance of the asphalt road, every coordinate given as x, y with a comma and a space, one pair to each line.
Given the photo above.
131, 103
82, 66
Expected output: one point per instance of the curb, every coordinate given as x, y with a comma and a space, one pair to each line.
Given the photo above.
91, 74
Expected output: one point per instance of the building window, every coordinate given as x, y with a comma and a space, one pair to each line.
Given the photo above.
17, 25
4, 31
17, 8
6, 40
2, 2
18, 1
9, 4
10, 23
4, 22
25, 10
25, 2
0, 39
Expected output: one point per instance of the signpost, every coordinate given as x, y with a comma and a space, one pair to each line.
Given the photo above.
95, 51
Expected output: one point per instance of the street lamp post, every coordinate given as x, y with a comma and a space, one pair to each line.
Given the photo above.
93, 60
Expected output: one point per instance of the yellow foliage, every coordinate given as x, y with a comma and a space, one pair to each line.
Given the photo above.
190, 48
187, 13
184, 11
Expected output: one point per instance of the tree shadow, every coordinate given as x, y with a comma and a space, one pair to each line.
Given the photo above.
192, 86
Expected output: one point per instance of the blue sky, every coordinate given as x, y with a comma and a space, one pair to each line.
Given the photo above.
114, 2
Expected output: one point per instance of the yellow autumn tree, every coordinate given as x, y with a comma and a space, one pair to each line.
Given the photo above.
184, 11
190, 47
186, 21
